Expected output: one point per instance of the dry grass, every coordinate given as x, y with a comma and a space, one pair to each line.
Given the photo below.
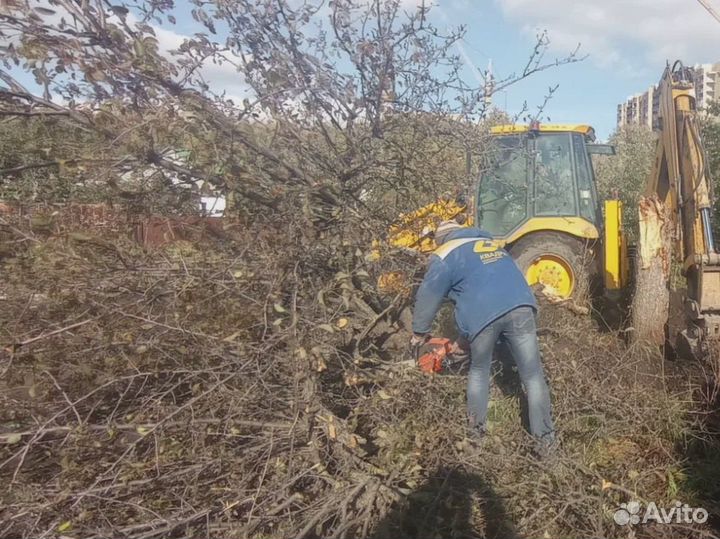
253, 389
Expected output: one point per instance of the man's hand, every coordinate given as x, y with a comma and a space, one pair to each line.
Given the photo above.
418, 339
416, 342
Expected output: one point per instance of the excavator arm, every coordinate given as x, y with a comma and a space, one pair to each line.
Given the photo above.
680, 185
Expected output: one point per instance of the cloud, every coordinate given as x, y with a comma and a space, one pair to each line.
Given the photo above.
224, 77
639, 35
220, 77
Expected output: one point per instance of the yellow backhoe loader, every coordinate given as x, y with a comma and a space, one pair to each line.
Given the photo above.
539, 199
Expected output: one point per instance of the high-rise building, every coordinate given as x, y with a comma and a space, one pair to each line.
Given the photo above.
707, 83
642, 109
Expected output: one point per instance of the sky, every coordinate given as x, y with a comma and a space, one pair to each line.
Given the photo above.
626, 43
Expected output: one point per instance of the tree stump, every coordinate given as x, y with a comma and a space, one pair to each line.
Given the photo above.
651, 302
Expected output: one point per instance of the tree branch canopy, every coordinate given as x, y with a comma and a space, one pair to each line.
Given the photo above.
340, 100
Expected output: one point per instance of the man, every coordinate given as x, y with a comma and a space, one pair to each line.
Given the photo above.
492, 301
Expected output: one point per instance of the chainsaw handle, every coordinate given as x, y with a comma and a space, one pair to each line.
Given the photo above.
432, 361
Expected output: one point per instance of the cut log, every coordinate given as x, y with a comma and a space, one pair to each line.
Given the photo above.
651, 301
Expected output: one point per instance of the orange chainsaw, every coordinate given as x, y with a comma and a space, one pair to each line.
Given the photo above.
431, 355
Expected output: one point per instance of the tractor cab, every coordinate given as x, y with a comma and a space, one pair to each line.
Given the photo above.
538, 172
538, 198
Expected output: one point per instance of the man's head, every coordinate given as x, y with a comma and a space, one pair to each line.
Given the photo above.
444, 229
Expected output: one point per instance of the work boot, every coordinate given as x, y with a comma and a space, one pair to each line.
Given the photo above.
472, 441
545, 449
476, 434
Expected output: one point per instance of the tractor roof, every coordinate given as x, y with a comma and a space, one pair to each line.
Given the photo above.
583, 129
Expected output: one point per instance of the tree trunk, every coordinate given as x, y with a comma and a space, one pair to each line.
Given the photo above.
650, 304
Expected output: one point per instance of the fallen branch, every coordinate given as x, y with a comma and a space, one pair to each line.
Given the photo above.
18, 345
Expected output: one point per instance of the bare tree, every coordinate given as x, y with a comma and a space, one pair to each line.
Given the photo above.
340, 98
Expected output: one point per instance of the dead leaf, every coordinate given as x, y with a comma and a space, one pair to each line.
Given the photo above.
13, 438
232, 337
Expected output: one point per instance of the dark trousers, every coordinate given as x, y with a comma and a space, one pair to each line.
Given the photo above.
518, 329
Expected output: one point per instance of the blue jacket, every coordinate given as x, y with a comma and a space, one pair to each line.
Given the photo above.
479, 277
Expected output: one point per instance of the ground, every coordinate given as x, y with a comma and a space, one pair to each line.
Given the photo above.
185, 390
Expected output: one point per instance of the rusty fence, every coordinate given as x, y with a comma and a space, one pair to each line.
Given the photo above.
149, 231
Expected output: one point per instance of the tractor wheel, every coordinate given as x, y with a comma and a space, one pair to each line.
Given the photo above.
555, 261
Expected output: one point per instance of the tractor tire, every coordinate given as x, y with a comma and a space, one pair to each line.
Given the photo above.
551, 259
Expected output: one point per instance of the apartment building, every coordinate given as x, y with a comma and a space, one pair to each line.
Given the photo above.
707, 83
642, 109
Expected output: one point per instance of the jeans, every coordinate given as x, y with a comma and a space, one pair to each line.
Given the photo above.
517, 328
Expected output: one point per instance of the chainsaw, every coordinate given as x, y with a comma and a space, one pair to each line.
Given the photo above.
432, 356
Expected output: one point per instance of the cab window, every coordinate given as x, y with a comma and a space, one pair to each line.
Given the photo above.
503, 192
583, 172
554, 193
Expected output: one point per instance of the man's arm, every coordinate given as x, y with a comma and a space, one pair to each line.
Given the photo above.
430, 295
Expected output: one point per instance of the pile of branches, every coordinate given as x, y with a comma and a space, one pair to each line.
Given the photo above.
256, 386
144, 393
